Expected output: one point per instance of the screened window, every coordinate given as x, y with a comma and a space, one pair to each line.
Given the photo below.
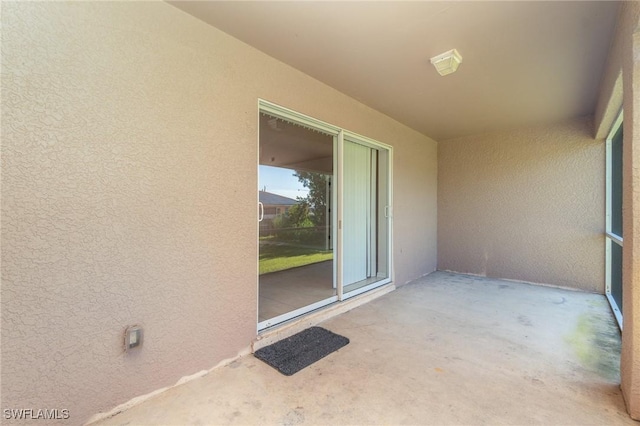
614, 240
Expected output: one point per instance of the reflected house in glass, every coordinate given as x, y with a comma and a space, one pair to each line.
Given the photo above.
274, 205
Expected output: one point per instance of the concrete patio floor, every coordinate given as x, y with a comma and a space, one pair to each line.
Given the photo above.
445, 349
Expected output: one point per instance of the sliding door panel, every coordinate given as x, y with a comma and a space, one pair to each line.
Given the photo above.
366, 207
356, 212
296, 272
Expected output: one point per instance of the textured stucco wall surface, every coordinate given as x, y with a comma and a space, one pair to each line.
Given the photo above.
629, 37
127, 131
526, 204
630, 365
610, 93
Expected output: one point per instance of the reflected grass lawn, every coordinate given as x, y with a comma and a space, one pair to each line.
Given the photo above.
279, 257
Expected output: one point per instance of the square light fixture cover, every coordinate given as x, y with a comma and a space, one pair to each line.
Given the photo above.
447, 62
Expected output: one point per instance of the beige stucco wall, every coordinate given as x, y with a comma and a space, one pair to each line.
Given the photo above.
620, 88
610, 92
526, 204
127, 131
629, 36
630, 360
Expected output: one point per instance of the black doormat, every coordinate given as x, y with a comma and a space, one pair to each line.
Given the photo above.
294, 353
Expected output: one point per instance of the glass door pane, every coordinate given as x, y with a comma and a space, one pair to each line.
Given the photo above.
356, 214
616, 183
296, 267
365, 238
616, 274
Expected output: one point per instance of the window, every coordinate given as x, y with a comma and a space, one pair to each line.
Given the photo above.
613, 239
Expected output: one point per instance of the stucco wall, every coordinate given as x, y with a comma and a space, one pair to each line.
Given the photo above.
619, 88
127, 131
629, 37
610, 91
526, 204
630, 361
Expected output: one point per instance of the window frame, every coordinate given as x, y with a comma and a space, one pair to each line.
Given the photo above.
610, 237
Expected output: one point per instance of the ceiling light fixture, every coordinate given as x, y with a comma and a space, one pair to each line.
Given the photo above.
447, 62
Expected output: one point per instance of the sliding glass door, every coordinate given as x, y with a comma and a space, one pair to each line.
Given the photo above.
296, 256
313, 175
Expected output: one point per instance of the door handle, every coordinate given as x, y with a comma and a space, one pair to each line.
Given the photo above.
261, 214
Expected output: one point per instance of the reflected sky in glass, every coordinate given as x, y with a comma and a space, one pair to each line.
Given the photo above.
280, 181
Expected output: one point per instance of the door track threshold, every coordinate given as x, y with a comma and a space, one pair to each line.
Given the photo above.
296, 325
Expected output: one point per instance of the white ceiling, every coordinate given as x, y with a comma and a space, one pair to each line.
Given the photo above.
523, 62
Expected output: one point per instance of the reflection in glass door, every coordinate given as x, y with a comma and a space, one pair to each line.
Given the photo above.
296, 259
313, 175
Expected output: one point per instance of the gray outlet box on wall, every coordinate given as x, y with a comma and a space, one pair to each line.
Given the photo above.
132, 338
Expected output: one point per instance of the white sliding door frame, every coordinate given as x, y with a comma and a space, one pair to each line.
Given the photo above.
339, 214
317, 125
610, 237
337, 206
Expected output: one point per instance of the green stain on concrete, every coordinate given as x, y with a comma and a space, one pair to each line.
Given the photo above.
596, 343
